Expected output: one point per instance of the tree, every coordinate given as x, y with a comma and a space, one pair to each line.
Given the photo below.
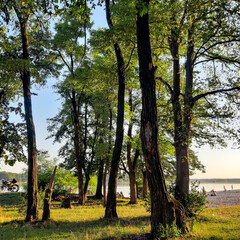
162, 211
66, 45
197, 33
110, 210
132, 144
23, 13
30, 57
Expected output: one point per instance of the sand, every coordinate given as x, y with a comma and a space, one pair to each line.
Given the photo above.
224, 199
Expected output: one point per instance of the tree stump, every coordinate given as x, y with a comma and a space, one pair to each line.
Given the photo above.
46, 208
66, 203
47, 199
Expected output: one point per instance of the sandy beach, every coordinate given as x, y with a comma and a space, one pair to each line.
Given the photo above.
224, 199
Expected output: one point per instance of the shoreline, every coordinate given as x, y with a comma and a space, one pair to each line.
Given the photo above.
224, 199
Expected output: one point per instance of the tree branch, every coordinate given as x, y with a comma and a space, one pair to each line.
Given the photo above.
215, 44
64, 61
85, 32
166, 84
183, 16
196, 98
199, 49
135, 158
108, 14
220, 58
130, 57
2, 94
124, 167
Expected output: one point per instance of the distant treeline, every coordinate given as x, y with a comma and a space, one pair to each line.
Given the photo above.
217, 180
20, 177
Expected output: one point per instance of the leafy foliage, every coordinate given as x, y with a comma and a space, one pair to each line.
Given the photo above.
64, 179
195, 201
170, 231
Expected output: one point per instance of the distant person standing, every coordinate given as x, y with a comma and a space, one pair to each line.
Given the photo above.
204, 191
232, 187
224, 188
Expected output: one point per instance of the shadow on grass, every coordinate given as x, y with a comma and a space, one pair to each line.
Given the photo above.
9, 199
211, 238
78, 230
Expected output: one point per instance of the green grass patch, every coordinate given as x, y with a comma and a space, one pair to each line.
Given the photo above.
87, 222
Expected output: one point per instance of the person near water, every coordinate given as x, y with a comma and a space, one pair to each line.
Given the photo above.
213, 193
204, 191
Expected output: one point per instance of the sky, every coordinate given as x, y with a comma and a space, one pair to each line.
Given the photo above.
219, 163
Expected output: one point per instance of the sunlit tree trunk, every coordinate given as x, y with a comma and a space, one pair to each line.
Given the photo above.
108, 158
131, 163
145, 185
79, 163
162, 212
99, 194
112, 184
32, 205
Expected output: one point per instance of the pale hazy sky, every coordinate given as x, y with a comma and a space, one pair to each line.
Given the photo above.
220, 163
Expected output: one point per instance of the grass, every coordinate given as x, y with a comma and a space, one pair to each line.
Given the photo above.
87, 222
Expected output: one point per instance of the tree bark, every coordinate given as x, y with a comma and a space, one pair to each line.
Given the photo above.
107, 159
133, 188
182, 148
180, 141
131, 164
112, 184
47, 198
89, 167
32, 205
145, 185
79, 163
162, 212
99, 194
87, 179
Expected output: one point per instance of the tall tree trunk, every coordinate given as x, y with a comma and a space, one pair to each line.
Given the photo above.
162, 212
32, 205
132, 178
131, 165
112, 184
105, 181
2, 95
89, 167
145, 185
99, 194
133, 187
87, 179
79, 163
108, 158
181, 149
182, 180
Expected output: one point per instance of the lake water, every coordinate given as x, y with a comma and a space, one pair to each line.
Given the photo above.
125, 190
219, 186
208, 187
